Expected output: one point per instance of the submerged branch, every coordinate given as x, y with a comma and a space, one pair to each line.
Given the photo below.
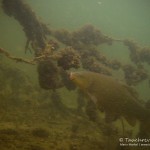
17, 59
84, 48
35, 30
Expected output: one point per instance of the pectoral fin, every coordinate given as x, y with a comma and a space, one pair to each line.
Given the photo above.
95, 101
92, 98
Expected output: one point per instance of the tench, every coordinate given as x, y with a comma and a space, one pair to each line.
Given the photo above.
110, 96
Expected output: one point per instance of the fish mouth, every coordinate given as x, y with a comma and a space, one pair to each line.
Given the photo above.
71, 76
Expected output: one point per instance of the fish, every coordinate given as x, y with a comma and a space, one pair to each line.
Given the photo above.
111, 96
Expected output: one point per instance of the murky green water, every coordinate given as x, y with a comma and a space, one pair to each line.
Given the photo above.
120, 19
116, 18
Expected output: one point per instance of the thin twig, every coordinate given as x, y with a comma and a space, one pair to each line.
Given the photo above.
17, 59
33, 61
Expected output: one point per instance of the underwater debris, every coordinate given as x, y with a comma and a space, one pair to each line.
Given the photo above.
134, 50
115, 64
83, 43
53, 44
17, 59
145, 55
89, 35
50, 72
49, 77
91, 64
134, 75
137, 53
34, 29
64, 36
69, 58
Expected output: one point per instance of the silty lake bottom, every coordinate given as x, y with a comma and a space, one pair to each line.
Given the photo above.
41, 42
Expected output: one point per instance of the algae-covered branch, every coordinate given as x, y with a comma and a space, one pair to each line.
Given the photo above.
81, 48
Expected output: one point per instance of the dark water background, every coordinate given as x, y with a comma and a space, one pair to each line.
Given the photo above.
117, 18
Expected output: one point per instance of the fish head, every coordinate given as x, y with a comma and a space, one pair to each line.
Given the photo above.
79, 79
